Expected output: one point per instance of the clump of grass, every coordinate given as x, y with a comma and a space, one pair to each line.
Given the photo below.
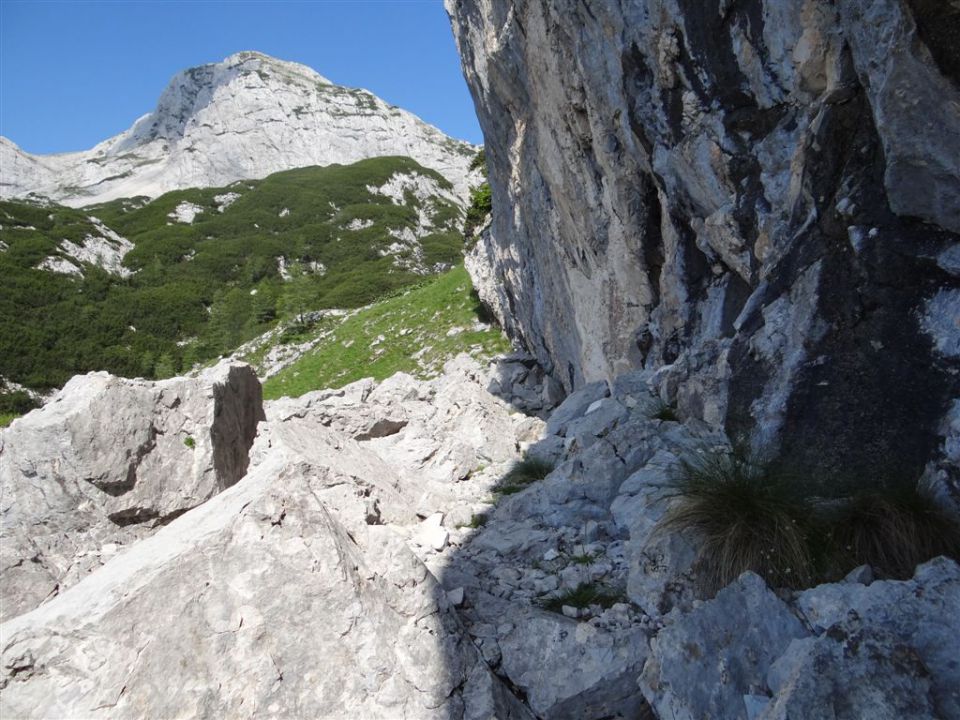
664, 411
585, 595
522, 474
477, 520
585, 559
747, 517
750, 516
892, 528
189, 442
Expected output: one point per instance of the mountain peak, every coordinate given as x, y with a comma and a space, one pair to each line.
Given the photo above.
244, 117
261, 61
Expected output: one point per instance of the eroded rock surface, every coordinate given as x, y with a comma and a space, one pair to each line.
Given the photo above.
105, 462
757, 199
274, 598
367, 566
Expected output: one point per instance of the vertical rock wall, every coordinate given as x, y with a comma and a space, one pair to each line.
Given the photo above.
759, 199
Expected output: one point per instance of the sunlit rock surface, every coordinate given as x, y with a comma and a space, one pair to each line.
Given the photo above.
245, 117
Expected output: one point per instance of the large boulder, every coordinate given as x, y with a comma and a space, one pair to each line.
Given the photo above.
280, 596
920, 618
705, 661
757, 200
439, 436
105, 462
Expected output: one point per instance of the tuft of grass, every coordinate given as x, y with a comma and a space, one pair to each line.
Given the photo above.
189, 442
893, 529
750, 516
747, 516
585, 595
477, 521
522, 474
7, 418
581, 559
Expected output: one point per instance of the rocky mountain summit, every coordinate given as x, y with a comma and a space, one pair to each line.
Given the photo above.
245, 117
361, 568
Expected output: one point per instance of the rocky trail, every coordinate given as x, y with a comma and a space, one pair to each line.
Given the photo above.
180, 549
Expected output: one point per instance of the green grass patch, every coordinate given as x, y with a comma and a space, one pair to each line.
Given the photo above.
477, 520
522, 474
414, 331
892, 528
746, 516
585, 595
7, 418
189, 442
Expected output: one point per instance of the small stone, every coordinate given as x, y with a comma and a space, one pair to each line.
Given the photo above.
755, 705
570, 611
546, 585
862, 575
551, 554
455, 596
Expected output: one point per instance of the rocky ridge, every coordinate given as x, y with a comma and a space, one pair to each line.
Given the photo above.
346, 573
756, 200
245, 117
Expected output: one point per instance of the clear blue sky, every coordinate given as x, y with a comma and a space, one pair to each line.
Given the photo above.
74, 73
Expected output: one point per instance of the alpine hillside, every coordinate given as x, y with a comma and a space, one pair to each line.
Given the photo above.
246, 117
149, 288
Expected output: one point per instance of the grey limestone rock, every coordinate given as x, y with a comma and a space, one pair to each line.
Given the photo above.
108, 460
748, 200
275, 597
703, 663
921, 614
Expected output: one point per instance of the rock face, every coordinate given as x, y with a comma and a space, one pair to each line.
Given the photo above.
105, 462
246, 117
757, 199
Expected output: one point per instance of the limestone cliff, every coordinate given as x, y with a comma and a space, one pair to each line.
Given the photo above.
758, 199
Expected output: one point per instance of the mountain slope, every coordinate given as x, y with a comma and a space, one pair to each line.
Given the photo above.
246, 117
149, 288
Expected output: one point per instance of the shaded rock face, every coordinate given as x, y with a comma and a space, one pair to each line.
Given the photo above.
759, 200
106, 461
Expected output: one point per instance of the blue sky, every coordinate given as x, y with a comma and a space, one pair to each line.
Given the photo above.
74, 73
